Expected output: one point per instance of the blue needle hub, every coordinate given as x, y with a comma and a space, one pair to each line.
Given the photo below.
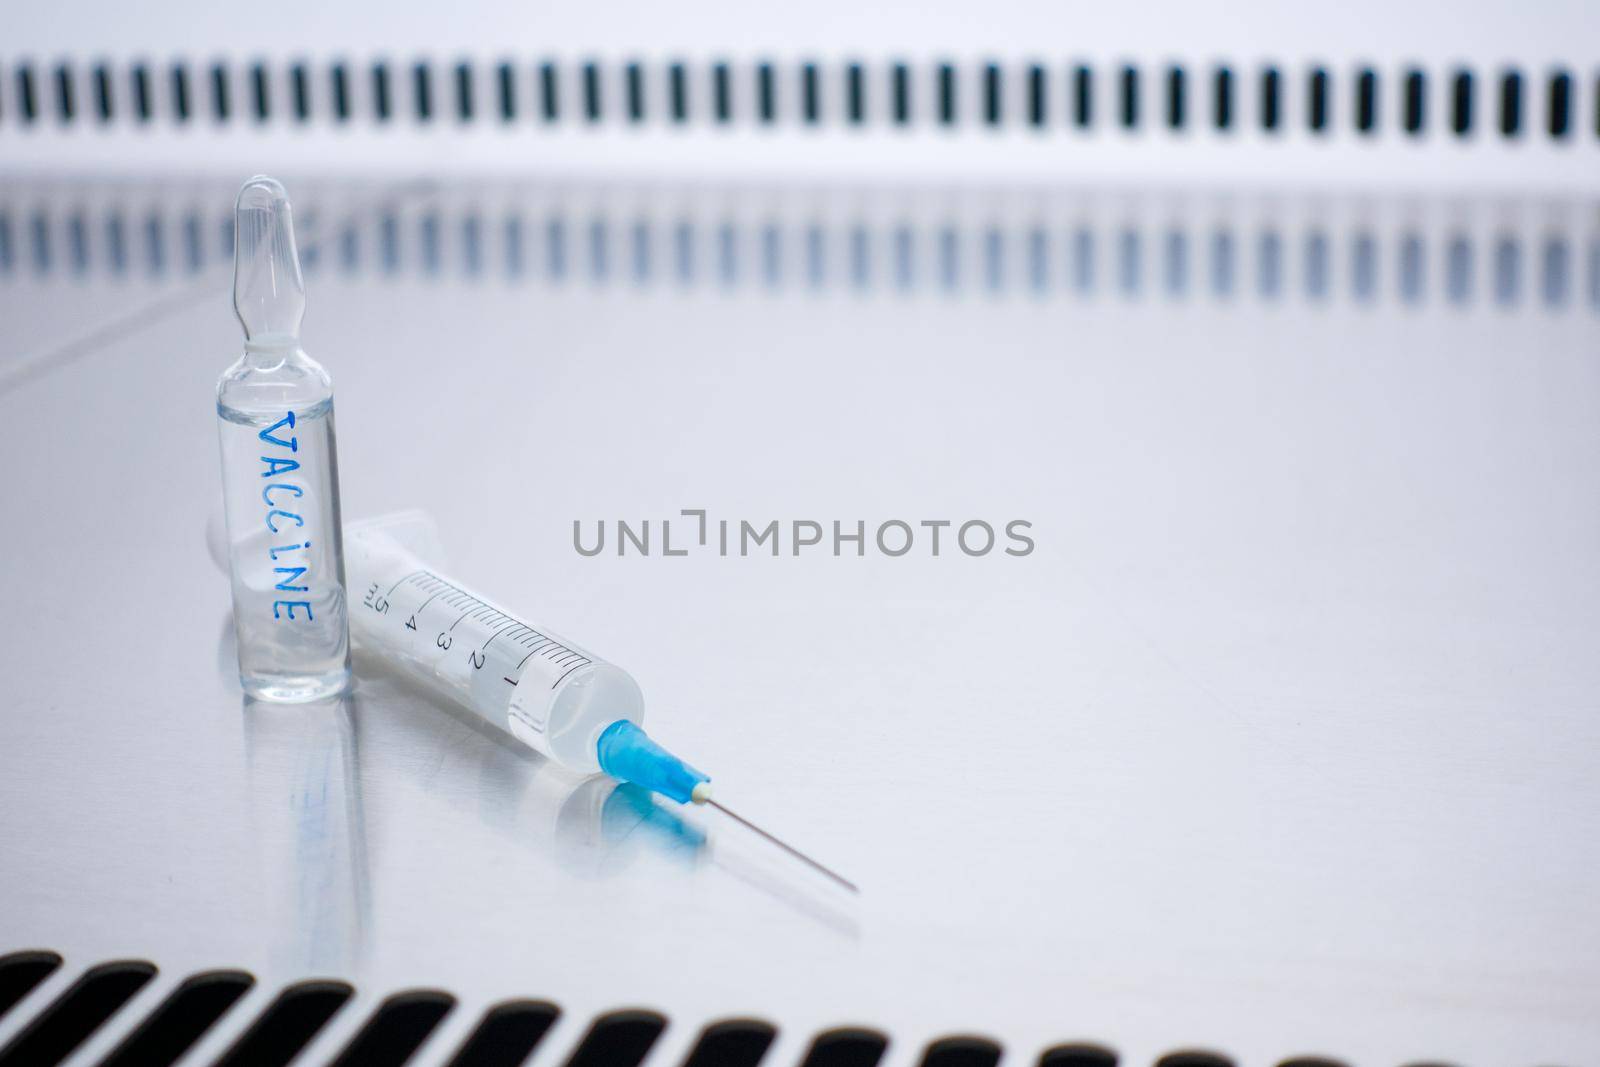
626, 752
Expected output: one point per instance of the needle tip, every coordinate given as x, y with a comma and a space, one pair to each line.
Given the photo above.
784, 845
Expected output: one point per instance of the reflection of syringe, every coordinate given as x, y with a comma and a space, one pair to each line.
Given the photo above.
553, 696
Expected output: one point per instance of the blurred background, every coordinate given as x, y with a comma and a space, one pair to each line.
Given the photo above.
1279, 324
1412, 151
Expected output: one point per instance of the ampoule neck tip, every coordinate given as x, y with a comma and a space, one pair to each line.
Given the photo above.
268, 290
261, 191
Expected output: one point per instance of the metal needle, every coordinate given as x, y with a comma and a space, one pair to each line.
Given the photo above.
790, 849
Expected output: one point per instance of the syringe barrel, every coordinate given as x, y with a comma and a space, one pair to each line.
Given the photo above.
552, 695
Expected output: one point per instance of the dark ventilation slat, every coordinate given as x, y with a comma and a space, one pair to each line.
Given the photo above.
117, 242
1461, 103
722, 92
21, 972
464, 101
1311, 1061
339, 91
27, 101
633, 78
7, 260
591, 92
1083, 96
1510, 103
143, 105
810, 94
1194, 1058
396, 1029
961, 1051
258, 91
506, 1035
43, 255
860, 257
1084, 259
65, 105
1317, 100
1316, 265
1176, 103
104, 103
1038, 96
288, 1025
1222, 98
992, 94
1559, 111
1269, 285
767, 93
1458, 271
181, 1019
549, 92
1364, 266
1077, 1054
1130, 266
618, 1039
900, 91
221, 105
382, 106
947, 94
855, 93
388, 241
78, 1012
1416, 93
422, 91
155, 247
1175, 264
592, 103
555, 248
678, 92
1413, 267
846, 1047
1129, 82
732, 1043
428, 241
1271, 105
472, 245
506, 81
300, 92
1366, 100
683, 242
1507, 270
180, 92
193, 247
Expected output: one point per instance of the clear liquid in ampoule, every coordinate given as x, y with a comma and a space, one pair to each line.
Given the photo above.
280, 473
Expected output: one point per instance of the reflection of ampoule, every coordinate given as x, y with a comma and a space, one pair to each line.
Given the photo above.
280, 479
309, 830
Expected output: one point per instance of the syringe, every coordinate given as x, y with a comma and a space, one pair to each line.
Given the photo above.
553, 696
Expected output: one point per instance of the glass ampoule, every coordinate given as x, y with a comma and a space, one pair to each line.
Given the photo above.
280, 478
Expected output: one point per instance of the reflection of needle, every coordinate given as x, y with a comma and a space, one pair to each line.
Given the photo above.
790, 849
